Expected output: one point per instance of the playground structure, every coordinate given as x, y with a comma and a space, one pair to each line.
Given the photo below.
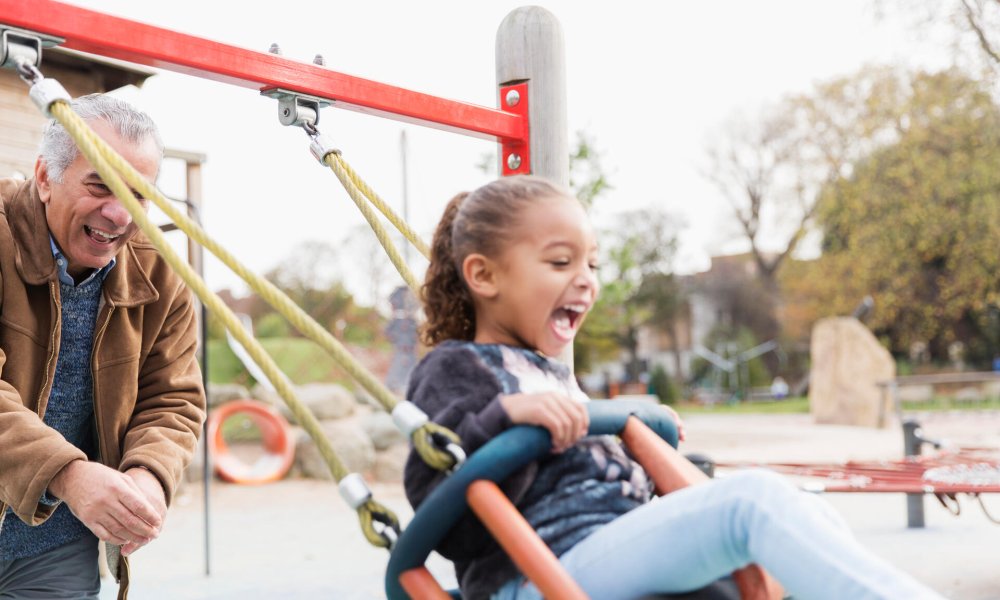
530, 141
946, 474
530, 72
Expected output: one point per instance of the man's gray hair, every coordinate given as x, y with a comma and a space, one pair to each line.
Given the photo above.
58, 149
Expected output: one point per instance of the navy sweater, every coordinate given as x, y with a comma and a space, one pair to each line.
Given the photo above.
70, 411
564, 497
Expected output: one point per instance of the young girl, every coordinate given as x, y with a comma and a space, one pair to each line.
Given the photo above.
511, 279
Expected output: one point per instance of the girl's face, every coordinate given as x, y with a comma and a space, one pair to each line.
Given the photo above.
544, 282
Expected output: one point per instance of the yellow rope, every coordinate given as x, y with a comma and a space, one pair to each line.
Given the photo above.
422, 437
385, 209
337, 165
108, 165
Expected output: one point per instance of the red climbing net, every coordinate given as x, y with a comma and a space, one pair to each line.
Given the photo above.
967, 470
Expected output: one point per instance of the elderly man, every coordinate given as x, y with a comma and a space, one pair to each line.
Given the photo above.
101, 401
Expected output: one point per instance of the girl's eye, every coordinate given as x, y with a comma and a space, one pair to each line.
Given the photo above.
560, 262
595, 267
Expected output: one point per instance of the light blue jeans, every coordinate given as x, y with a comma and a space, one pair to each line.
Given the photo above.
694, 536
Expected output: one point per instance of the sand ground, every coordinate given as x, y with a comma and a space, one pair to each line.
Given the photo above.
296, 539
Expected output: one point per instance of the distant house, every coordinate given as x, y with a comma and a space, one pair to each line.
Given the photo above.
20, 120
712, 298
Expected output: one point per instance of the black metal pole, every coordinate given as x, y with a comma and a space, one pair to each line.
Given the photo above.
912, 445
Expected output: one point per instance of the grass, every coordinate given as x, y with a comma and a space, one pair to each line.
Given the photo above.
944, 403
300, 359
240, 428
798, 405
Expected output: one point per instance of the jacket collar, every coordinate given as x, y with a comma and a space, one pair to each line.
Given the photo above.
126, 285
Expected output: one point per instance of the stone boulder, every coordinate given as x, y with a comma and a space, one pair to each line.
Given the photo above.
220, 393
326, 401
382, 430
847, 365
389, 463
354, 449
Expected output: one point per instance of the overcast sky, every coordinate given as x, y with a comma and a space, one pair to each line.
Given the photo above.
650, 82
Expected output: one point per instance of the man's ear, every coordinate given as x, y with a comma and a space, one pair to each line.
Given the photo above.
42, 181
480, 275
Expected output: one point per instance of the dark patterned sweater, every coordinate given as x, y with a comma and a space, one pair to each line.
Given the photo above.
70, 411
564, 497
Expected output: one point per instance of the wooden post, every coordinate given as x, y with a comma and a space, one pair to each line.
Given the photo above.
530, 48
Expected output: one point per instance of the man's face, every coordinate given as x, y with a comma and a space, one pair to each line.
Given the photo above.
88, 223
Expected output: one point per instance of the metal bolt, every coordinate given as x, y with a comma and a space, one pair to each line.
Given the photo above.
319, 60
274, 49
512, 98
513, 161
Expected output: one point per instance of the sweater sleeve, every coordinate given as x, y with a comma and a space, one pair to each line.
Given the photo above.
459, 392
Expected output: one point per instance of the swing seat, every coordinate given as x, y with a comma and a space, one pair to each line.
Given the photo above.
494, 462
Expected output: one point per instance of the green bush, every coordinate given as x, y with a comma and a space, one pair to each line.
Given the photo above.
272, 325
663, 386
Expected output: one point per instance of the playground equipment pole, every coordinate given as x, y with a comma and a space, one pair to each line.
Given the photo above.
912, 447
530, 49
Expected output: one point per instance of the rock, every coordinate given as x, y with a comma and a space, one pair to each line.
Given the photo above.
916, 393
326, 401
220, 393
269, 396
847, 364
969, 394
350, 444
382, 430
389, 463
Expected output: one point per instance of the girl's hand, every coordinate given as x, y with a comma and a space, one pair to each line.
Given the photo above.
565, 419
677, 419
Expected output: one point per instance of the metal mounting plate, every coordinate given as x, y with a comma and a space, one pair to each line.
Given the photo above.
20, 43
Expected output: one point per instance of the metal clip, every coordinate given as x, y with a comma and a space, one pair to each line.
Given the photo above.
297, 110
408, 418
321, 147
44, 92
354, 490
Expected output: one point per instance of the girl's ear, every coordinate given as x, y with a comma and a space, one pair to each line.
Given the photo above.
480, 275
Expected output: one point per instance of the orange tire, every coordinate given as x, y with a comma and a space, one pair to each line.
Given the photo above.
276, 437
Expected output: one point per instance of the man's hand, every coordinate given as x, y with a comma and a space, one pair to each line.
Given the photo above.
109, 503
566, 419
153, 491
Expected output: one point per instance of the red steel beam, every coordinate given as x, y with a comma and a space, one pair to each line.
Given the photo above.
114, 37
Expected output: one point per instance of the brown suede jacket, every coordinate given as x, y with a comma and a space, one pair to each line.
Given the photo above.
149, 402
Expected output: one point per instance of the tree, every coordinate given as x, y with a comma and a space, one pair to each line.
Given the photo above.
974, 27
587, 177
638, 288
310, 277
771, 168
915, 223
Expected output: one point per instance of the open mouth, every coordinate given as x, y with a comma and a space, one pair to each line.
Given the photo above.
100, 237
566, 318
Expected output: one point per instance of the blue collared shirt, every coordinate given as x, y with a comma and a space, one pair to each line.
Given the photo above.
63, 263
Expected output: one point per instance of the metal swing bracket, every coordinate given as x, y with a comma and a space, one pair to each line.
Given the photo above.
295, 109
19, 46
